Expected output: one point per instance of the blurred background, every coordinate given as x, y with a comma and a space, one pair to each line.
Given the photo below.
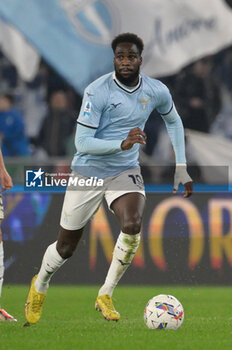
49, 52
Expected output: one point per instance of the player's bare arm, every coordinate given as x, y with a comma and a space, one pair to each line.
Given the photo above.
5, 179
135, 135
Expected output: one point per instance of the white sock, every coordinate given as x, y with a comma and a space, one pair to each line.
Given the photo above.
124, 251
1, 266
52, 261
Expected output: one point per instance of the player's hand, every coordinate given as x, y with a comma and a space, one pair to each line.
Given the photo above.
5, 180
135, 135
182, 177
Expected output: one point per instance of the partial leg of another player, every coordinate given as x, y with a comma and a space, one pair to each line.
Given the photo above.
4, 316
54, 257
129, 210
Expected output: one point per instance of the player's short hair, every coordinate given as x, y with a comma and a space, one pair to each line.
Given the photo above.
128, 38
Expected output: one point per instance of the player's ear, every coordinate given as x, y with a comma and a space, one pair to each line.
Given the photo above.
141, 60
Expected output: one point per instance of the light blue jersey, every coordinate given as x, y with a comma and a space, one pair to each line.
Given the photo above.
109, 111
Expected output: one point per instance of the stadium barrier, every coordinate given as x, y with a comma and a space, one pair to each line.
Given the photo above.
184, 241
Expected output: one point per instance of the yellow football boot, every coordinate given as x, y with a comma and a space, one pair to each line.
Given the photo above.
104, 304
34, 303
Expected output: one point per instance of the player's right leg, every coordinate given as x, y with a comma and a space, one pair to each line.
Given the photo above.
78, 208
127, 200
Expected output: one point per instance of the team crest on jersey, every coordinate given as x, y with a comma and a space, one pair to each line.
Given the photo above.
87, 109
144, 102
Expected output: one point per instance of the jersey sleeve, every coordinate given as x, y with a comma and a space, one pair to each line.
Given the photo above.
164, 103
91, 108
176, 133
87, 143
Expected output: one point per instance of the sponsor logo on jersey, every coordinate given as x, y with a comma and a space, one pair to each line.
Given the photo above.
89, 94
115, 105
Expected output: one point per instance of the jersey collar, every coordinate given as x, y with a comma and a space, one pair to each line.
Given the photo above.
126, 88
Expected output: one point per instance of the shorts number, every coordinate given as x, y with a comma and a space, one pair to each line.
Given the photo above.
137, 179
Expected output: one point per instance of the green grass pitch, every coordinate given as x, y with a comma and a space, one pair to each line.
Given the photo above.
69, 320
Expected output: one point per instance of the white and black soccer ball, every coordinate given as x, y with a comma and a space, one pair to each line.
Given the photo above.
164, 312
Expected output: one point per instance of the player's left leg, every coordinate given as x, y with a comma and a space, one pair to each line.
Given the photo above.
78, 208
55, 256
129, 210
4, 316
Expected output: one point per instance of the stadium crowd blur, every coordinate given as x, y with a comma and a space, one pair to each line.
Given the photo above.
38, 119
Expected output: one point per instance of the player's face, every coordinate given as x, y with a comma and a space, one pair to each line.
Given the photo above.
127, 62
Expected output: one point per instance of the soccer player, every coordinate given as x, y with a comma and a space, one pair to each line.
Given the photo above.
6, 184
110, 126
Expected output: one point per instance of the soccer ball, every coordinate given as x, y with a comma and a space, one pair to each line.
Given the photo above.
164, 312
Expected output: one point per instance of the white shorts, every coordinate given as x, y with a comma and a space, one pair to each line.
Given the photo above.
1, 208
80, 205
